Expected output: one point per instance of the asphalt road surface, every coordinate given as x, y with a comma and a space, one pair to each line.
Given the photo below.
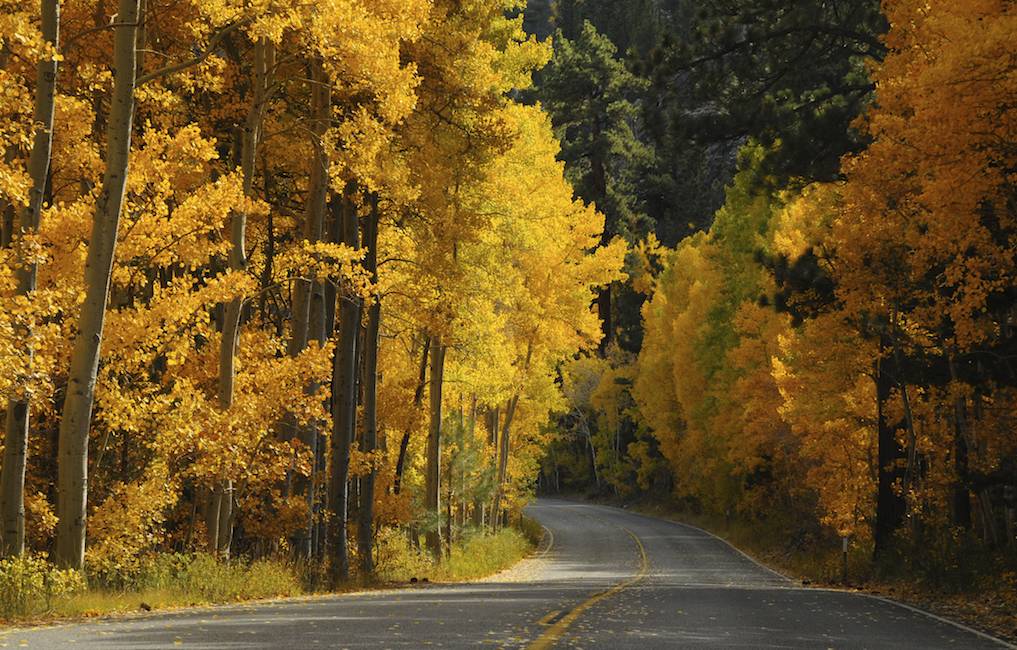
606, 578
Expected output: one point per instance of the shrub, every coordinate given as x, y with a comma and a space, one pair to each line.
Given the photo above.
29, 585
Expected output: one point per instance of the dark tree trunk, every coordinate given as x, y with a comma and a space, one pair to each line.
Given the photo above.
344, 409
418, 399
889, 504
369, 441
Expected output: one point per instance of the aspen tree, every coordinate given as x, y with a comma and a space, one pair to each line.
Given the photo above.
72, 481
369, 438
12, 474
221, 515
432, 485
344, 404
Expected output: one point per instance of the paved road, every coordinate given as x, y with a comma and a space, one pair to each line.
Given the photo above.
610, 579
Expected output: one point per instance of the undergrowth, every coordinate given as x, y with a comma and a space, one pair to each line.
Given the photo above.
33, 589
476, 555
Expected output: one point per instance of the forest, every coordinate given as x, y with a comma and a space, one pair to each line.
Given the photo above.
342, 285
815, 333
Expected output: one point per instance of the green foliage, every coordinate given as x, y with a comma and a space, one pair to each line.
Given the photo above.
791, 75
481, 555
591, 98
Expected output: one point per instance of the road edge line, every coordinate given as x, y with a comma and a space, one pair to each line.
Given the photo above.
918, 610
734, 548
550, 543
796, 584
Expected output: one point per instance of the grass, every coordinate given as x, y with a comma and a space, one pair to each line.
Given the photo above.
476, 555
34, 591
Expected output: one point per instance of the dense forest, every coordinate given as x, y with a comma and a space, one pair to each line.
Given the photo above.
343, 281
816, 329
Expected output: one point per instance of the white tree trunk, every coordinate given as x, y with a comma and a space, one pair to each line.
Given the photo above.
72, 475
12, 474
238, 262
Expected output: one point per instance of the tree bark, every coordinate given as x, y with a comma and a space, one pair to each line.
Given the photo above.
308, 305
250, 136
344, 408
503, 456
432, 485
12, 473
369, 440
418, 399
889, 505
72, 473
961, 501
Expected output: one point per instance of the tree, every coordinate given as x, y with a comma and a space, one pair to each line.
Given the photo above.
12, 475
77, 411
590, 96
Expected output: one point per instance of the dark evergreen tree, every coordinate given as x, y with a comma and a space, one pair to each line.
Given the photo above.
591, 97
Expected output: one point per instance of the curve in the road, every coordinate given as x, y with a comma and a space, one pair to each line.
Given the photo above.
559, 622
611, 579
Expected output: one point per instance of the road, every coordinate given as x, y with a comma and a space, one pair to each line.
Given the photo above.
606, 578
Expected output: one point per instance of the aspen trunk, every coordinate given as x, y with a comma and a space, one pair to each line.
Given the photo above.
314, 224
238, 262
211, 513
493, 419
432, 484
503, 455
889, 505
344, 408
72, 473
369, 440
308, 316
12, 474
961, 501
418, 399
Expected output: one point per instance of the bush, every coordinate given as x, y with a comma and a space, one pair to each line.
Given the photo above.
208, 580
29, 585
397, 560
482, 554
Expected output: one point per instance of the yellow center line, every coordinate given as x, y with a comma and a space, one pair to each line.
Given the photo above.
555, 632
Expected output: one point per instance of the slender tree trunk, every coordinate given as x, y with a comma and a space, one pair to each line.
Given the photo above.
263, 55
889, 505
12, 474
493, 418
344, 408
418, 399
369, 440
308, 305
432, 484
961, 509
503, 456
72, 474
598, 174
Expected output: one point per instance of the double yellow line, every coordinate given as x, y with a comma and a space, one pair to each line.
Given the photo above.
556, 630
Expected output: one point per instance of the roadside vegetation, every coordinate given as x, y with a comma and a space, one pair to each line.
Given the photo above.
284, 291
33, 590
